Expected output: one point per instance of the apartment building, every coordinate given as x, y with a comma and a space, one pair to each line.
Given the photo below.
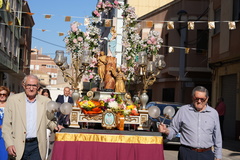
144, 7
44, 67
224, 60
15, 43
184, 70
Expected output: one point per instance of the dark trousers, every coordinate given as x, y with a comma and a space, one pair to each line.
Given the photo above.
188, 154
31, 151
221, 120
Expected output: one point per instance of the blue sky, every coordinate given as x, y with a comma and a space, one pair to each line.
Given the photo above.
59, 9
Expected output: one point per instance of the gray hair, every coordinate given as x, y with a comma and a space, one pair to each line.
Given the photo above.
30, 76
200, 89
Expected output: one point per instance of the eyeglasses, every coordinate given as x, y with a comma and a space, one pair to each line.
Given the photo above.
201, 99
5, 95
31, 85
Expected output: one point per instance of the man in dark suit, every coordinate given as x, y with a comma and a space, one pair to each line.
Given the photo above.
64, 119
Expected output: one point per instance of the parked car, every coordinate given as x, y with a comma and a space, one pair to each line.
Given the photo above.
155, 121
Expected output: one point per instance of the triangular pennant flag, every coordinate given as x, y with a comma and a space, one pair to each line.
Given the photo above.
191, 25
48, 16
170, 25
68, 18
29, 13
232, 25
170, 49
187, 50
211, 25
86, 21
10, 23
60, 34
149, 24
108, 22
43, 30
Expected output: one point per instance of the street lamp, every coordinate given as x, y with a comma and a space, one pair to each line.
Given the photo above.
148, 71
79, 65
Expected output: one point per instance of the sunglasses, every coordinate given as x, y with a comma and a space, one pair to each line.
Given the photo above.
201, 99
5, 95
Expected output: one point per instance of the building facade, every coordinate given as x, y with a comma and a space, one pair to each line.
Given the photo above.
44, 67
15, 43
144, 7
224, 60
184, 70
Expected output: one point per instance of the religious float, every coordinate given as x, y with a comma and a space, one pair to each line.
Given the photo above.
110, 103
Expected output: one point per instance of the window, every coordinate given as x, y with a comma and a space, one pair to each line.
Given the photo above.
36, 67
236, 10
202, 41
31, 67
168, 94
217, 17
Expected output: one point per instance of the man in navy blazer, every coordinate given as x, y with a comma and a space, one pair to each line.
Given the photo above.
64, 119
65, 97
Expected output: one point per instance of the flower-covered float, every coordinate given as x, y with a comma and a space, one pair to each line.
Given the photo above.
92, 110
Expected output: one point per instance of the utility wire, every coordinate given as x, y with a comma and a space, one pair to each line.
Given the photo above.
48, 42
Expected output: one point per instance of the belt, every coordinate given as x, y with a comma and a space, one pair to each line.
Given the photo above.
29, 140
198, 149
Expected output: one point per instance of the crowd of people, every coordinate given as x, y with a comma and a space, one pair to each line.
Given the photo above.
25, 127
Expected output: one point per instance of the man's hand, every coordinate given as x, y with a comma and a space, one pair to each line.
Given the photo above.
162, 128
58, 128
12, 151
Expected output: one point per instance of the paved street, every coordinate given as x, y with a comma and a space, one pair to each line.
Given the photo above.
231, 150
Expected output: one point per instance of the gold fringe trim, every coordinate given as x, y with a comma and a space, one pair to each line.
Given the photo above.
139, 139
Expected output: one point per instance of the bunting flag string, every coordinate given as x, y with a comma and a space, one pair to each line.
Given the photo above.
149, 23
112, 22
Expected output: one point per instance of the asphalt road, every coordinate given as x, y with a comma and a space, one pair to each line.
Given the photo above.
230, 151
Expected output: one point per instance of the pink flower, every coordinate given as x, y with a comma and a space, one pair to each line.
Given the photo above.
116, 2
153, 39
111, 99
90, 76
75, 40
92, 65
80, 39
74, 27
149, 42
96, 13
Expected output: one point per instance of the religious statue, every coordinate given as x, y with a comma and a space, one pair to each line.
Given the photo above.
109, 81
128, 99
102, 61
120, 80
112, 42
